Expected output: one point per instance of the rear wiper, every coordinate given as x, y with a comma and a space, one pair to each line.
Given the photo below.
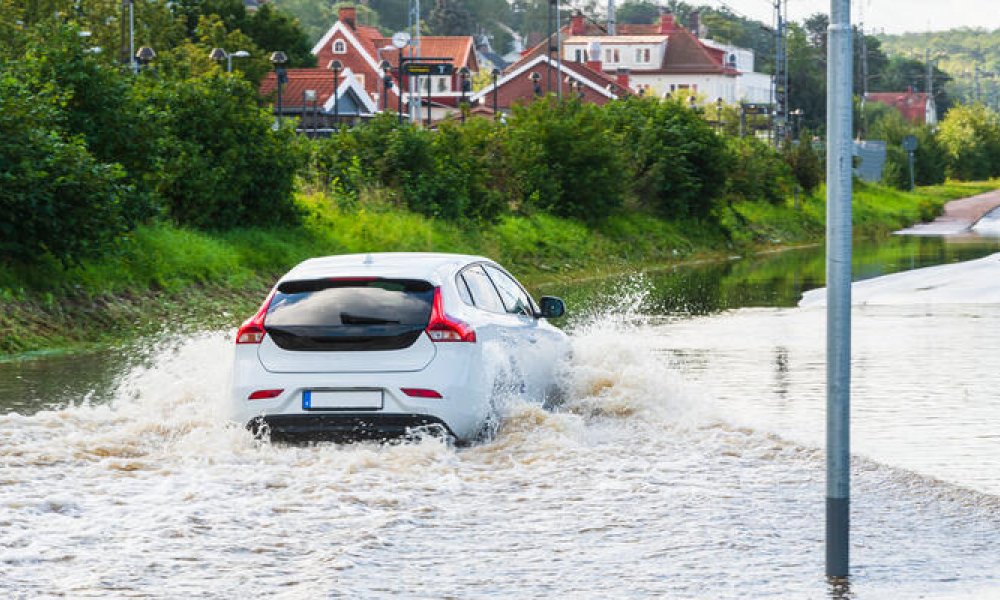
349, 319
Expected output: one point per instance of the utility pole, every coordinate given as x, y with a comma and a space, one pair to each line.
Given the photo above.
415, 51
780, 87
929, 86
838, 288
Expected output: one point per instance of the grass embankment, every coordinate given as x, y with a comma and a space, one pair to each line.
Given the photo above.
168, 278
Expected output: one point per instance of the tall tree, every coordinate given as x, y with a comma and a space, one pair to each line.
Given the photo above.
450, 17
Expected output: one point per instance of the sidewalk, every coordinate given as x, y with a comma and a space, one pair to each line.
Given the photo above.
959, 216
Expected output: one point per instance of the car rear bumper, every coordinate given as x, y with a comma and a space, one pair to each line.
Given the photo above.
346, 427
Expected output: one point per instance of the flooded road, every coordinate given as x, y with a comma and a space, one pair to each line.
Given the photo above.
687, 462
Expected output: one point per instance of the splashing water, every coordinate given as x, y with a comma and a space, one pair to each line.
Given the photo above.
637, 485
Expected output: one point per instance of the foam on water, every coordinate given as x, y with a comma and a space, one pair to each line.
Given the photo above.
637, 485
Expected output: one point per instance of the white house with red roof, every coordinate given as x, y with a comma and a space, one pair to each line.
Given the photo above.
663, 58
360, 50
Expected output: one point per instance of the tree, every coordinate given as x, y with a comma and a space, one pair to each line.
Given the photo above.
450, 17
55, 197
638, 11
970, 135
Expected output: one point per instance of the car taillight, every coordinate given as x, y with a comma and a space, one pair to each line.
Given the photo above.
443, 328
252, 330
264, 394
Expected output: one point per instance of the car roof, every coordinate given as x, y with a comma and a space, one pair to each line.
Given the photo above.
384, 264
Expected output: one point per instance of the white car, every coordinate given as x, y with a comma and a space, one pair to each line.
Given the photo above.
374, 345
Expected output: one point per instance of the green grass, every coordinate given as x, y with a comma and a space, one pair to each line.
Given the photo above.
162, 274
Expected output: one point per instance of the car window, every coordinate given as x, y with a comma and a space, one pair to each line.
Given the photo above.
484, 293
515, 300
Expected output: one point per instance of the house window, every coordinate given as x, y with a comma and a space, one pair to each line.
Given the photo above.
339, 47
642, 55
442, 85
611, 55
579, 55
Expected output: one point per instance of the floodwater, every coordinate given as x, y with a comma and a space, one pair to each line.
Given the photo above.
687, 461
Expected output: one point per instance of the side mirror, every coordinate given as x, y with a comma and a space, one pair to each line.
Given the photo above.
552, 307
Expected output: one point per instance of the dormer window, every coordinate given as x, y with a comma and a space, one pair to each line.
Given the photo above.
611, 55
642, 55
339, 47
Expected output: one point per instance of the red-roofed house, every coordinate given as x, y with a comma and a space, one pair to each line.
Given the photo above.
360, 50
663, 58
916, 107
308, 95
536, 76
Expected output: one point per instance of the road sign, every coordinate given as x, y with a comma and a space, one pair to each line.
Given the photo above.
910, 143
757, 109
417, 68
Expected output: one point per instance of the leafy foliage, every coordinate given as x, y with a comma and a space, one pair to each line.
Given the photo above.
758, 172
566, 158
805, 163
970, 136
220, 164
55, 197
677, 165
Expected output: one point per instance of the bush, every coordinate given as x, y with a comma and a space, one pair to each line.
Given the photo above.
676, 163
220, 163
55, 197
564, 159
805, 163
887, 124
758, 172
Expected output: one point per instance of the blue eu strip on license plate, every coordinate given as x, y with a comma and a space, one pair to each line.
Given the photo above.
307, 400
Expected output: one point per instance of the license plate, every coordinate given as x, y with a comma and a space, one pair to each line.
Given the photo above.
342, 400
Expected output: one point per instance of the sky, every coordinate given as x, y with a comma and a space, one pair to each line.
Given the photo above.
892, 16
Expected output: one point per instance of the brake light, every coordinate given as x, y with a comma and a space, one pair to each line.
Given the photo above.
443, 328
420, 393
252, 330
264, 394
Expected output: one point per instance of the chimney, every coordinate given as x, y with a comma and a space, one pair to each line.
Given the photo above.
594, 56
576, 25
667, 24
622, 78
695, 24
349, 16
611, 17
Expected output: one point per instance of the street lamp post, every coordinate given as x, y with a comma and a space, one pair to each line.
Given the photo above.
463, 75
145, 55
278, 59
797, 115
386, 83
218, 54
336, 66
496, 93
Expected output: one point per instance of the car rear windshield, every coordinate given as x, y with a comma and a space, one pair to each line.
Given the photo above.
349, 314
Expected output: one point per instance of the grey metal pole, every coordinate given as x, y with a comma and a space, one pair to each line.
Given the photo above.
913, 183
838, 287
